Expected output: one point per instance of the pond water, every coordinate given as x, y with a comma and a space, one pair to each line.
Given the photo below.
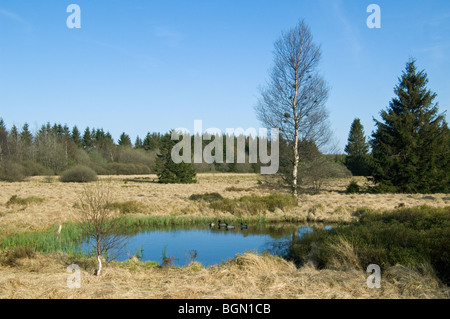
207, 245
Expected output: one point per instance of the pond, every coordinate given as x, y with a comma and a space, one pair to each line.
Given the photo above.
208, 246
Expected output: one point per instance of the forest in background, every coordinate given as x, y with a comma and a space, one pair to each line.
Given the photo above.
56, 148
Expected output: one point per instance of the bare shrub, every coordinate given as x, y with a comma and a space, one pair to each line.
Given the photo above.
99, 221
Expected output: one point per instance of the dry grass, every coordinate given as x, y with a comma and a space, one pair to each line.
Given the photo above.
247, 276
330, 205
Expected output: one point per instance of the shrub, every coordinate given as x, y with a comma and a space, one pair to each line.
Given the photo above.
36, 169
79, 174
353, 188
128, 169
11, 172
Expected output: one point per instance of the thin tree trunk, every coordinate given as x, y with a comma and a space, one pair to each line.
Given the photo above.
296, 127
99, 268
295, 170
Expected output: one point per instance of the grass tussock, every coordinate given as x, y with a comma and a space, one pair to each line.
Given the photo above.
128, 207
16, 200
252, 204
10, 257
207, 197
410, 237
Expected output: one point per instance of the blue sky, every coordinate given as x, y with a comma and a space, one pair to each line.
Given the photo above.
140, 65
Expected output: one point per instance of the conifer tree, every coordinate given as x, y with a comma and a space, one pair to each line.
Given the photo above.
26, 138
76, 136
357, 149
138, 143
170, 172
3, 139
87, 140
411, 145
124, 140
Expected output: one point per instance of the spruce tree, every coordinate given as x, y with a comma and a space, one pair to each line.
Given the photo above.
170, 172
124, 140
3, 139
76, 136
357, 149
26, 138
151, 141
88, 142
411, 145
138, 143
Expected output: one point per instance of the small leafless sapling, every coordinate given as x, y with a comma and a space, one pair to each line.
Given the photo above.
99, 221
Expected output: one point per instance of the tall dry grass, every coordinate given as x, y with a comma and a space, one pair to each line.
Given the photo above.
246, 276
157, 200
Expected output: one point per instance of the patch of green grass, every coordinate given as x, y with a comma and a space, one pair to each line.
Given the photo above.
16, 200
47, 241
410, 236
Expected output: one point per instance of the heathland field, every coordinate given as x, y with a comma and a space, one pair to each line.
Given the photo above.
40, 204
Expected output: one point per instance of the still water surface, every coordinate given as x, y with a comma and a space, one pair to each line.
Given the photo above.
209, 245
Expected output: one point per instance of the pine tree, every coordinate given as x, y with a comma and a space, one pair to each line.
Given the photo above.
88, 142
357, 149
76, 136
124, 140
151, 141
170, 172
138, 143
26, 141
26, 138
411, 145
3, 139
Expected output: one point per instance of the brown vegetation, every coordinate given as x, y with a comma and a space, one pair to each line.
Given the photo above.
246, 276
27, 275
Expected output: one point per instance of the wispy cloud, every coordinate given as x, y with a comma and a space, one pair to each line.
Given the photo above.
349, 30
141, 57
173, 38
16, 18
437, 30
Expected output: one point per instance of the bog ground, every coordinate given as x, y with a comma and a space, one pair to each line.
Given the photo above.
247, 276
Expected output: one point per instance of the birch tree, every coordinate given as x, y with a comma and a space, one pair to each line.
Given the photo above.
294, 97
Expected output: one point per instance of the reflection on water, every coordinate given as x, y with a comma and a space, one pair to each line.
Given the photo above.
209, 245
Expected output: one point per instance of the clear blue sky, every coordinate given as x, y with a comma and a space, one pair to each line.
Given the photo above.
141, 65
